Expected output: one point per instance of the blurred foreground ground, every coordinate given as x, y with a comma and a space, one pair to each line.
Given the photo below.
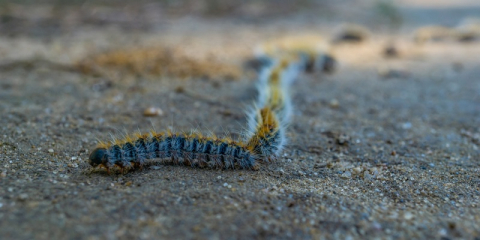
385, 147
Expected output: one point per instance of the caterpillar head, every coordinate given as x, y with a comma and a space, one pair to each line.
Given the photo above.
98, 157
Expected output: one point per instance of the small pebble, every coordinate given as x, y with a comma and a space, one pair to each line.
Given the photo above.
23, 196
407, 125
72, 165
408, 216
376, 226
334, 103
50, 150
343, 139
352, 33
347, 174
197, 228
152, 112
357, 170
180, 89
390, 51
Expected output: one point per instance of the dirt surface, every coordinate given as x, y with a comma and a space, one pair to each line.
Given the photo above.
386, 147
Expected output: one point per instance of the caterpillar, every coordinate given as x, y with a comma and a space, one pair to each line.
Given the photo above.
313, 50
191, 149
263, 142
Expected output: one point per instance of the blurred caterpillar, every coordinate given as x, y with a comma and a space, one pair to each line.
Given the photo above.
313, 50
267, 123
264, 140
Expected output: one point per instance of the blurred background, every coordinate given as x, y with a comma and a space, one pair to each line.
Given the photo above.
220, 35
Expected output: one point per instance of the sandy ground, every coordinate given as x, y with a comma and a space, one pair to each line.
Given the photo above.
370, 154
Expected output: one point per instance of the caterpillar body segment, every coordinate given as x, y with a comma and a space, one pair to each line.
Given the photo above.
186, 149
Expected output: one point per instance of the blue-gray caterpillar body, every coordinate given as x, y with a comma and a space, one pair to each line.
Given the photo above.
186, 149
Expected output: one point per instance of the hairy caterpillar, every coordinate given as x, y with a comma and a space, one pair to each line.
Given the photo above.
188, 149
313, 50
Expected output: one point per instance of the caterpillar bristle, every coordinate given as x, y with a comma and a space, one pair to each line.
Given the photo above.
101, 144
